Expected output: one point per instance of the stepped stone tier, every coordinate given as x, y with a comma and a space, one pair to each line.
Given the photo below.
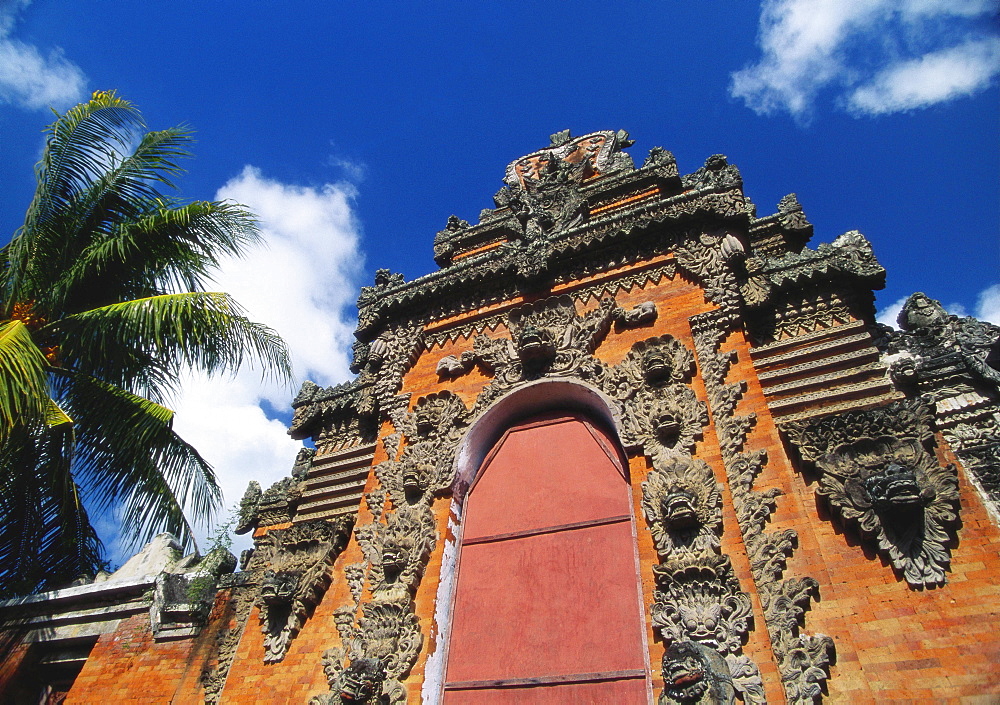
633, 442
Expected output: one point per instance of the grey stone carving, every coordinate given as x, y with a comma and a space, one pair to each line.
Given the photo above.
298, 562
548, 339
694, 674
639, 315
444, 241
717, 173
682, 503
236, 616
803, 659
184, 595
710, 258
954, 361
397, 552
432, 432
876, 469
699, 599
387, 636
664, 416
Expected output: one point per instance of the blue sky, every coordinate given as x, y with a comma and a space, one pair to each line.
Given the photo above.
356, 129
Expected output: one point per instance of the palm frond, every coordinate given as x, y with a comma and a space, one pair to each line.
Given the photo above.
128, 457
170, 247
202, 330
46, 538
24, 394
81, 144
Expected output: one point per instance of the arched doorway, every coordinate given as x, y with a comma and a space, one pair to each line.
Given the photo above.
547, 606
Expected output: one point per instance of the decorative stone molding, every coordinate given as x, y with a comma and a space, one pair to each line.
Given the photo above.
803, 660
951, 360
379, 652
298, 562
683, 505
876, 469
397, 552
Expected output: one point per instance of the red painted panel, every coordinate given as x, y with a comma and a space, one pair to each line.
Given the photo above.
551, 604
630, 692
543, 475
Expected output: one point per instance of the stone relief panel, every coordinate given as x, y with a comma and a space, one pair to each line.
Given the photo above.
432, 432
299, 559
803, 659
683, 506
954, 361
378, 652
876, 469
694, 674
664, 416
397, 551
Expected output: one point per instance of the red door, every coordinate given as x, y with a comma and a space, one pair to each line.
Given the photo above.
547, 606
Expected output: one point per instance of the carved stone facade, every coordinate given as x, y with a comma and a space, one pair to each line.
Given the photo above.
799, 478
876, 467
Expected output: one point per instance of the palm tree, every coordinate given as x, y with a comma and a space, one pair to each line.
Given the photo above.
102, 304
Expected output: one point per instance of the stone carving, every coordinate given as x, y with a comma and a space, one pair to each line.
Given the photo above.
432, 432
639, 315
803, 659
662, 160
548, 339
682, 503
246, 517
953, 361
386, 641
444, 245
362, 681
397, 552
710, 257
547, 196
875, 468
238, 609
717, 173
699, 599
791, 215
184, 595
695, 674
298, 574
664, 416
451, 366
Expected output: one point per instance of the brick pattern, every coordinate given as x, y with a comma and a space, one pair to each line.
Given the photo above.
893, 643
128, 666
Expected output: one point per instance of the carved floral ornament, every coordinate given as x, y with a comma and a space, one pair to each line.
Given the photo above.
876, 468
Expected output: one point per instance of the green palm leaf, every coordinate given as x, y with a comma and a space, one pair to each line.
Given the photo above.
129, 457
106, 276
206, 330
24, 393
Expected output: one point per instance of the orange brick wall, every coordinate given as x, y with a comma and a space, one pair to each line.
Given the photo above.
892, 642
128, 666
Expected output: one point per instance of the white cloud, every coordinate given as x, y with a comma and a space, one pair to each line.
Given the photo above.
882, 55
889, 314
302, 284
932, 78
988, 305
30, 79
